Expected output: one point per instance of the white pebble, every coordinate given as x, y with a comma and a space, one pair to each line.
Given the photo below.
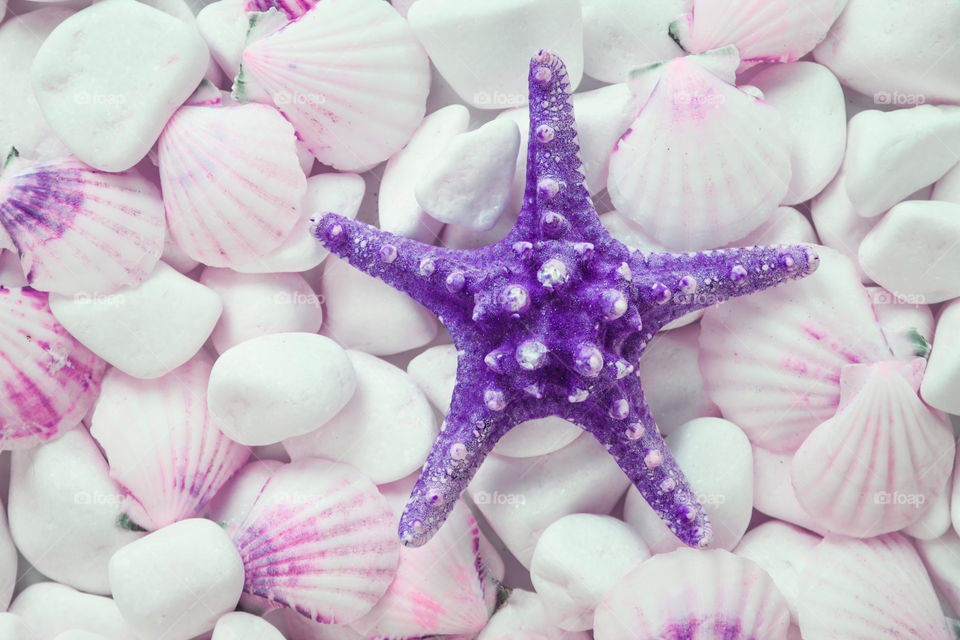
256, 305
174, 583
76, 634
8, 563
224, 25
716, 458
48, 609
524, 616
244, 626
110, 76
837, 222
576, 561
947, 188
913, 251
13, 628
279, 386
941, 556
435, 372
469, 182
941, 380
773, 492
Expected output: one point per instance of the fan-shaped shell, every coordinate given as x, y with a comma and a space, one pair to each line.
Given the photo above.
868, 589
79, 230
703, 163
232, 184
772, 360
292, 8
762, 30
162, 447
348, 74
49, 380
319, 539
694, 595
885, 455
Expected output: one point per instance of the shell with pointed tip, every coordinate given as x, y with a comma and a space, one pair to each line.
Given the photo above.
695, 595
441, 588
348, 74
79, 230
319, 539
703, 163
49, 380
162, 447
762, 30
868, 589
232, 184
772, 361
872, 467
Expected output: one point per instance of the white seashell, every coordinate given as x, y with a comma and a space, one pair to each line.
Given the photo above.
319, 539
777, 375
232, 503
868, 589
698, 595
50, 380
762, 30
232, 184
70, 609
161, 445
349, 75
785, 226
442, 587
524, 617
908, 326
79, 230
703, 163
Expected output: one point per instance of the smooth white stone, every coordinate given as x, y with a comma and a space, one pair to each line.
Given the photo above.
243, 626
913, 251
947, 188
520, 497
8, 563
469, 182
299, 627
256, 305
941, 556
279, 386
785, 226
524, 616
627, 232
338, 193
11, 274
48, 609
174, 256
175, 582
64, 511
892, 154
399, 210
483, 47
672, 382
385, 430
780, 549
941, 379
901, 53
936, 516
621, 35
837, 222
22, 124
456, 237
576, 561
811, 102
773, 492
435, 372
75, 634
147, 330
903, 323
715, 456
11, 626
357, 304
110, 76
223, 25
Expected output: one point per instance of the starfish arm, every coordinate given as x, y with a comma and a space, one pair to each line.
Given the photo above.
555, 202
678, 283
636, 444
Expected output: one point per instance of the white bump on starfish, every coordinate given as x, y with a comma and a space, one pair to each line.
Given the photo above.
545, 133
531, 354
535, 390
553, 223
588, 361
613, 303
661, 294
624, 369
738, 274
388, 253
543, 75
584, 249
624, 272
494, 399
514, 298
456, 281
458, 451
688, 284
552, 272
495, 359
635, 431
522, 248
334, 231
548, 188
668, 485
620, 409
427, 267
653, 459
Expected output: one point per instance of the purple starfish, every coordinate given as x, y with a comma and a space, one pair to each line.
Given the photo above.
552, 319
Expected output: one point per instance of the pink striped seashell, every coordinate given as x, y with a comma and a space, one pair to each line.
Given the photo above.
762, 30
348, 74
162, 447
777, 376
79, 230
319, 539
866, 590
293, 9
871, 468
49, 380
694, 595
232, 184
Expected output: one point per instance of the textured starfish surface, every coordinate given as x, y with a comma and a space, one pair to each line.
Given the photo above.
552, 319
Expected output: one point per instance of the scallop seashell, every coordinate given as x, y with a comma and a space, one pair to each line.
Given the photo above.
162, 447
695, 595
49, 380
348, 74
772, 361
703, 163
232, 184
319, 539
883, 457
79, 230
440, 588
293, 9
762, 30
868, 589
